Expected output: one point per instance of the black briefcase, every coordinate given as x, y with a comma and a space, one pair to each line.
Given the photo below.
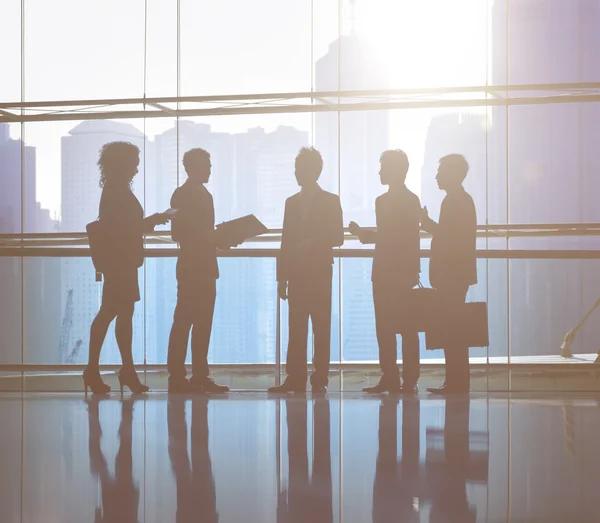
465, 324
418, 310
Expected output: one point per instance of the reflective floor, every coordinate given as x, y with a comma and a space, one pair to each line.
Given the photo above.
344, 458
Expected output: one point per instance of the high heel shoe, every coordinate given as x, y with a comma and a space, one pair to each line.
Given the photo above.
93, 381
130, 379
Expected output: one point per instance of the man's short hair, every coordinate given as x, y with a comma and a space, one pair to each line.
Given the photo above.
457, 164
398, 158
310, 158
192, 156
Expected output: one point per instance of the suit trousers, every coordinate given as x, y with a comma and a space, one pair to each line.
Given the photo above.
457, 356
386, 299
309, 298
194, 311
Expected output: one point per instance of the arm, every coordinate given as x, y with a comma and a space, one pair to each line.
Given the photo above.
427, 224
365, 236
281, 258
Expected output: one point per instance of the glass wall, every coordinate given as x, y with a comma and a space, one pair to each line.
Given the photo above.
530, 164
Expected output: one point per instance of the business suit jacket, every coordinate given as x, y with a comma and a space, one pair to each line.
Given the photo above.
321, 223
193, 227
453, 246
397, 256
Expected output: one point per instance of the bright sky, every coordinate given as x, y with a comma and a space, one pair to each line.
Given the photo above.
85, 49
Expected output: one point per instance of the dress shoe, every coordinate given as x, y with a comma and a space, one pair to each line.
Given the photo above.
319, 389
392, 388
409, 389
128, 378
179, 386
287, 386
208, 386
448, 389
93, 381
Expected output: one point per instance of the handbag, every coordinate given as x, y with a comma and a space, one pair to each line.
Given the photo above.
99, 247
417, 312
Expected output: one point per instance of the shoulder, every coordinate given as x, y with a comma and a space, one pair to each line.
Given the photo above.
293, 198
330, 197
413, 198
177, 196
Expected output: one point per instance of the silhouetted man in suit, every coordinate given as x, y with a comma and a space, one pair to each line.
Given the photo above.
396, 268
312, 226
193, 227
195, 484
453, 264
307, 499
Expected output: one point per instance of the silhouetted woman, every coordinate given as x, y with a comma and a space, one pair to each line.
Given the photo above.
120, 494
123, 226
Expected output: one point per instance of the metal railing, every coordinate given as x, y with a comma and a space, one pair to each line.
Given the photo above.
160, 245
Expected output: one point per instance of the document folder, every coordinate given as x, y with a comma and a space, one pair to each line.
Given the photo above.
242, 229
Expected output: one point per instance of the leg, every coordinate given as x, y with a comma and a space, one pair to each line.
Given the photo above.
124, 334
98, 331
410, 359
457, 354
320, 311
178, 339
295, 366
386, 334
203, 320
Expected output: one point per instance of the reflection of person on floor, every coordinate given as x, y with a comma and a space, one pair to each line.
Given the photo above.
307, 499
120, 495
449, 479
396, 486
196, 497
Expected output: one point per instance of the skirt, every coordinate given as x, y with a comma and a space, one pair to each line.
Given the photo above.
121, 287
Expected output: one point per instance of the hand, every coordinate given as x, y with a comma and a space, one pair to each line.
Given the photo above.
282, 290
159, 218
354, 228
235, 242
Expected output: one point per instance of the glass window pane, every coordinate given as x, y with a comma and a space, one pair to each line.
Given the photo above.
553, 157
10, 51
224, 54
12, 152
77, 51
11, 311
553, 41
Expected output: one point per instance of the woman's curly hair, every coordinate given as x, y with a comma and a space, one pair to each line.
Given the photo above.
110, 160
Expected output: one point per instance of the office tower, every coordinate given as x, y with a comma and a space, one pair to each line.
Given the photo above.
80, 197
552, 164
358, 138
40, 292
264, 178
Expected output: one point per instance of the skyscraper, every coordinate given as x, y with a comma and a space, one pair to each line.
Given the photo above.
20, 212
553, 161
359, 138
